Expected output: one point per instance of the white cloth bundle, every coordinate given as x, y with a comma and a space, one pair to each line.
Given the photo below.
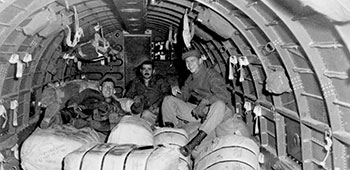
46, 148
107, 156
131, 130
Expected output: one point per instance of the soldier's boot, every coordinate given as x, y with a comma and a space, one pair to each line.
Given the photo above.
188, 148
169, 124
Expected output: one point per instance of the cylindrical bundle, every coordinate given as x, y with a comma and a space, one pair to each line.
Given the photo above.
176, 138
229, 152
108, 156
172, 136
46, 148
131, 130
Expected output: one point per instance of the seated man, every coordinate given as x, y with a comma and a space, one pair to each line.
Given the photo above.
203, 98
97, 109
147, 91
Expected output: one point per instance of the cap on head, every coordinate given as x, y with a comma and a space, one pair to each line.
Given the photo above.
107, 78
191, 53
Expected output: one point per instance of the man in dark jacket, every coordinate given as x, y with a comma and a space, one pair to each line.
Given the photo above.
203, 98
97, 109
147, 91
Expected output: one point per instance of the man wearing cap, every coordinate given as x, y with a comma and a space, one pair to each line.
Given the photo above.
203, 98
148, 91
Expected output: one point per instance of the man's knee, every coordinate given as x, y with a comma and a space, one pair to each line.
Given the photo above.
219, 108
219, 104
149, 116
146, 113
169, 99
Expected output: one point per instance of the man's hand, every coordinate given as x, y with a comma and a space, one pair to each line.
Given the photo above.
138, 99
154, 109
198, 112
175, 90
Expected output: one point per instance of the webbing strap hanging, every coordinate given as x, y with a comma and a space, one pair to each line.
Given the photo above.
327, 147
258, 113
14, 59
243, 61
78, 31
188, 31
14, 107
3, 113
232, 63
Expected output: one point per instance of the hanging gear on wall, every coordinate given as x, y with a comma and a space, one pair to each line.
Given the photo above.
39, 21
14, 107
169, 42
3, 118
243, 61
55, 26
14, 59
27, 58
188, 30
232, 64
99, 42
258, 113
78, 31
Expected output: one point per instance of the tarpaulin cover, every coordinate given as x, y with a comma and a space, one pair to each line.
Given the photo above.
216, 23
277, 82
46, 148
108, 156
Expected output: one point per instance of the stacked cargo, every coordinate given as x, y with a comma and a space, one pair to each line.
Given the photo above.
46, 148
133, 145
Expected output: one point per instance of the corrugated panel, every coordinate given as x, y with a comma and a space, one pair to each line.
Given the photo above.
310, 84
3, 70
238, 86
318, 110
40, 66
11, 39
345, 116
37, 79
4, 58
6, 47
24, 82
21, 109
23, 48
288, 101
11, 71
7, 15
300, 60
293, 139
22, 3
272, 141
271, 127
29, 40
20, 121
348, 158
10, 86
341, 86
